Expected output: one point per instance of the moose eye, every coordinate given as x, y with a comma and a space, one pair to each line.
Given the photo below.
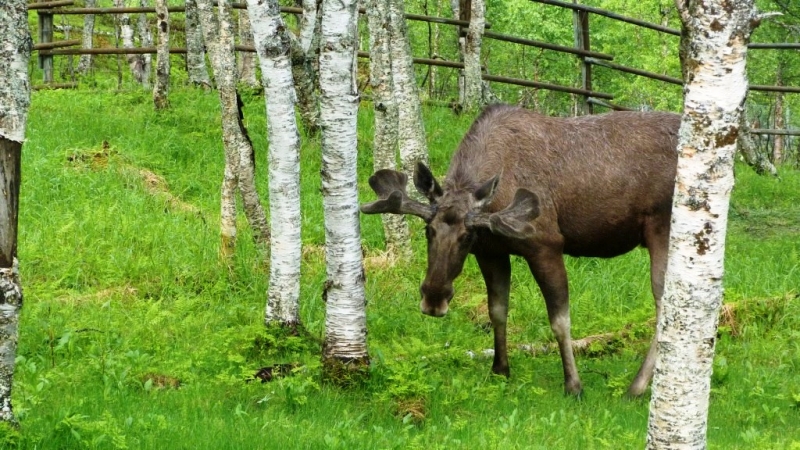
430, 232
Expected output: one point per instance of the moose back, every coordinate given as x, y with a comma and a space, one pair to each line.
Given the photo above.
541, 187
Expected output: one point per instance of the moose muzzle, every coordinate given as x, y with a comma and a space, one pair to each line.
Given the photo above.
435, 299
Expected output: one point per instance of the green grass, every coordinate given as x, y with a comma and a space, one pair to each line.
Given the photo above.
125, 297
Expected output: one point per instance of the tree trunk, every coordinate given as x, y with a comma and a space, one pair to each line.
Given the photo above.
161, 89
473, 82
145, 40
460, 14
195, 55
14, 102
247, 62
135, 62
85, 61
714, 53
305, 65
384, 143
411, 129
272, 42
218, 35
345, 319
777, 148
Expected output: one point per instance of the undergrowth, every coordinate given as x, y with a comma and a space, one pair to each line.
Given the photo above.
133, 335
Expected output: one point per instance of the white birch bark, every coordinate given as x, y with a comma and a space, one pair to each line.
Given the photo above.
195, 55
716, 34
85, 61
247, 61
777, 146
455, 5
10, 305
161, 88
272, 44
305, 65
15, 50
473, 82
411, 129
145, 40
135, 62
218, 34
384, 143
345, 319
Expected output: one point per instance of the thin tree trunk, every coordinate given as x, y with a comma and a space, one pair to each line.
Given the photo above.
714, 54
345, 319
384, 143
247, 61
218, 35
146, 40
135, 62
758, 161
161, 89
272, 42
473, 81
411, 128
305, 65
460, 15
195, 55
85, 61
16, 43
777, 148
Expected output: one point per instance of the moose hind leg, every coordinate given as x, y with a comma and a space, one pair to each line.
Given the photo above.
497, 275
657, 239
551, 275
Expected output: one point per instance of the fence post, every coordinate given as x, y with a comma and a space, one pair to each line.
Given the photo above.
46, 36
580, 21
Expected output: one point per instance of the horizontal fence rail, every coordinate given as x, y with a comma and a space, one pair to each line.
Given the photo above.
47, 49
631, 70
546, 45
610, 15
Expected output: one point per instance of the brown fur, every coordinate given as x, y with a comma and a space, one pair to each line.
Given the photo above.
596, 185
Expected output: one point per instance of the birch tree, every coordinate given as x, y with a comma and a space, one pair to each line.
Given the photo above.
410, 127
247, 63
713, 52
135, 62
195, 55
15, 50
239, 155
272, 44
345, 319
85, 61
161, 88
384, 143
473, 80
145, 40
305, 65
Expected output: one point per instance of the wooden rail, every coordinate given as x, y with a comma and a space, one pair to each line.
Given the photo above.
611, 15
546, 45
643, 73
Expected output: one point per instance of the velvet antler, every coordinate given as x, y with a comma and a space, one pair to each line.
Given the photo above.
390, 185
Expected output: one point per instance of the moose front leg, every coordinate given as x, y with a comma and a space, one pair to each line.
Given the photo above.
551, 275
496, 272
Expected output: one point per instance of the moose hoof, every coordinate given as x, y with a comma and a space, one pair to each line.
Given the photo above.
504, 371
574, 389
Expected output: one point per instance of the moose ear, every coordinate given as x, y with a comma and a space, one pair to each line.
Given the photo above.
425, 183
515, 220
484, 194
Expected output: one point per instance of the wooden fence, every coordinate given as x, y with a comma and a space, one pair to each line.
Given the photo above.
589, 59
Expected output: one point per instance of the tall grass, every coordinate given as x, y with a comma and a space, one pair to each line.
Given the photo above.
133, 334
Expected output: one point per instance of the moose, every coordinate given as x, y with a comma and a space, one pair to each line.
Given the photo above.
541, 187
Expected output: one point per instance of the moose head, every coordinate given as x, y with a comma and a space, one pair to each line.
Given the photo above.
452, 218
